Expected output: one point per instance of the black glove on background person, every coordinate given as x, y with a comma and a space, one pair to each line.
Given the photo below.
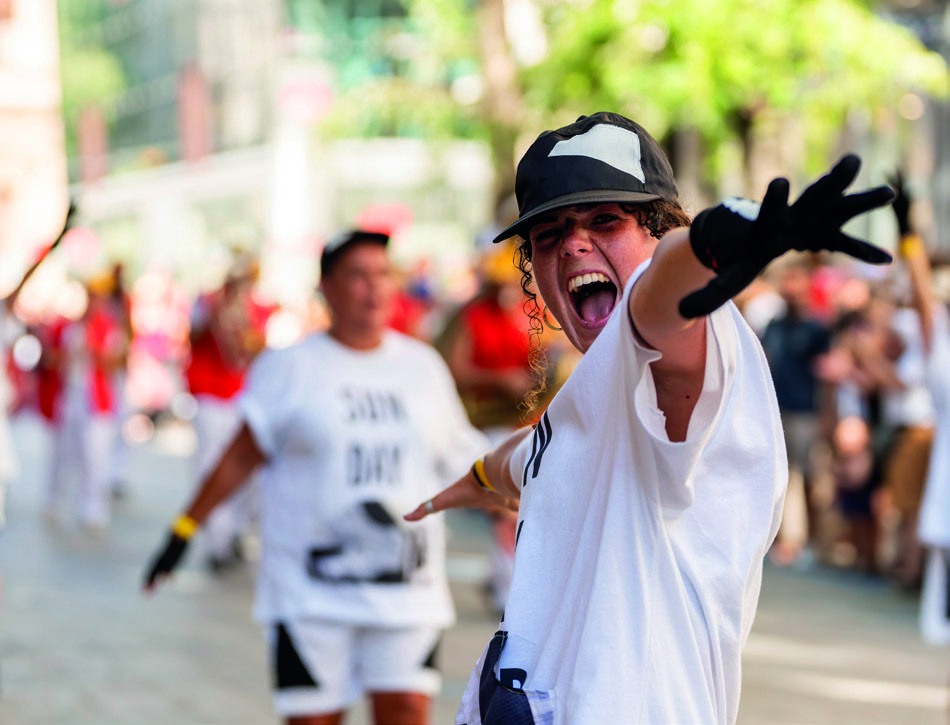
901, 204
738, 241
165, 561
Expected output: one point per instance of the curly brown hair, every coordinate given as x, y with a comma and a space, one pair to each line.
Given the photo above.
657, 217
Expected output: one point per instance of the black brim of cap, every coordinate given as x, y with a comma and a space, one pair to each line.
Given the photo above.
598, 196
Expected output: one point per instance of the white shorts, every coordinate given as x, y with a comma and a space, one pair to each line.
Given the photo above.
321, 667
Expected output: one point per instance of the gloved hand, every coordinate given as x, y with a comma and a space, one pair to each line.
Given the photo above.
165, 561
901, 204
738, 240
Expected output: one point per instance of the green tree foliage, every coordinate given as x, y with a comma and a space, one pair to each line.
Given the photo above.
720, 69
411, 87
91, 74
716, 67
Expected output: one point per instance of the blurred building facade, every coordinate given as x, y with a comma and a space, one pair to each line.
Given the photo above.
33, 184
202, 135
205, 139
928, 154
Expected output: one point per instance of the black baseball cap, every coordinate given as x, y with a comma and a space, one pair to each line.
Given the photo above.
604, 157
334, 248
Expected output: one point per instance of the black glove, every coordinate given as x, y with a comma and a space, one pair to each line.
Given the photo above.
739, 243
67, 224
901, 204
166, 560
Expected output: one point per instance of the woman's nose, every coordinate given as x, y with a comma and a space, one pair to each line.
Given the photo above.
575, 241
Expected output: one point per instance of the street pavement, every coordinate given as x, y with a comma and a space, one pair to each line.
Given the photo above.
80, 645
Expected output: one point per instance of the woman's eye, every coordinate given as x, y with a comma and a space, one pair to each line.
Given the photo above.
544, 235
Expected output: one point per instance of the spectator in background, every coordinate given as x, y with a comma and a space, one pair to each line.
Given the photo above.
121, 310
347, 428
933, 527
793, 342
909, 410
10, 329
856, 475
486, 345
81, 360
411, 307
858, 371
224, 340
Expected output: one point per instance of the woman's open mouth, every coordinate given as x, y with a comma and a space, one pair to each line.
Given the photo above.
593, 295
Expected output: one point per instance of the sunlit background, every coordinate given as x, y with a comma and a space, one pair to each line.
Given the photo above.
194, 133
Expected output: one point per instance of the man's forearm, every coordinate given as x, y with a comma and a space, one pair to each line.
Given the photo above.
238, 462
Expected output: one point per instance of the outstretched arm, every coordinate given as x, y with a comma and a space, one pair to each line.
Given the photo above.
912, 251
11, 298
654, 312
738, 239
695, 271
240, 459
496, 487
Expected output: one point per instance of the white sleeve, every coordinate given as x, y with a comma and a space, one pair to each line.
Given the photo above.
677, 461
519, 456
267, 398
938, 358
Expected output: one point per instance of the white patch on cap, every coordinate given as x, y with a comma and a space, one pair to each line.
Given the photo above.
745, 208
612, 145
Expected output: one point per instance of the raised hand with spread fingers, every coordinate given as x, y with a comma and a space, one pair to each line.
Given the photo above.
739, 238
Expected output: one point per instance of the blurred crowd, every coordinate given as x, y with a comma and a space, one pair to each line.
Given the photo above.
848, 365
125, 356
110, 359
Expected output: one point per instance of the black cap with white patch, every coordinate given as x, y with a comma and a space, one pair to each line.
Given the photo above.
600, 158
333, 249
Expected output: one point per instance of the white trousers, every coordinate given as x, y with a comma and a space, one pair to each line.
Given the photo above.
82, 441
120, 450
934, 596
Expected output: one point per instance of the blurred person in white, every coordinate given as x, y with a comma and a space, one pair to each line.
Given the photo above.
223, 341
487, 347
346, 429
909, 410
120, 303
10, 330
87, 353
652, 487
933, 527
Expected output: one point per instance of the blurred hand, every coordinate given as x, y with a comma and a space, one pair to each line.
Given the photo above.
834, 366
464, 493
738, 240
67, 225
165, 561
901, 203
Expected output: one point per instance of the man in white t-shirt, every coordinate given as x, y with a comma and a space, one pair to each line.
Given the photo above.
652, 486
348, 429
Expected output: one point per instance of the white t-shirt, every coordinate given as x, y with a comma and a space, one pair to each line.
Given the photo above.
639, 560
933, 528
354, 440
911, 405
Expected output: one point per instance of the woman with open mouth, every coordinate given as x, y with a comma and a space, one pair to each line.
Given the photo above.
652, 486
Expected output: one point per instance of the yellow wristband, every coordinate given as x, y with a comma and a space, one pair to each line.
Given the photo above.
478, 470
911, 246
184, 526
